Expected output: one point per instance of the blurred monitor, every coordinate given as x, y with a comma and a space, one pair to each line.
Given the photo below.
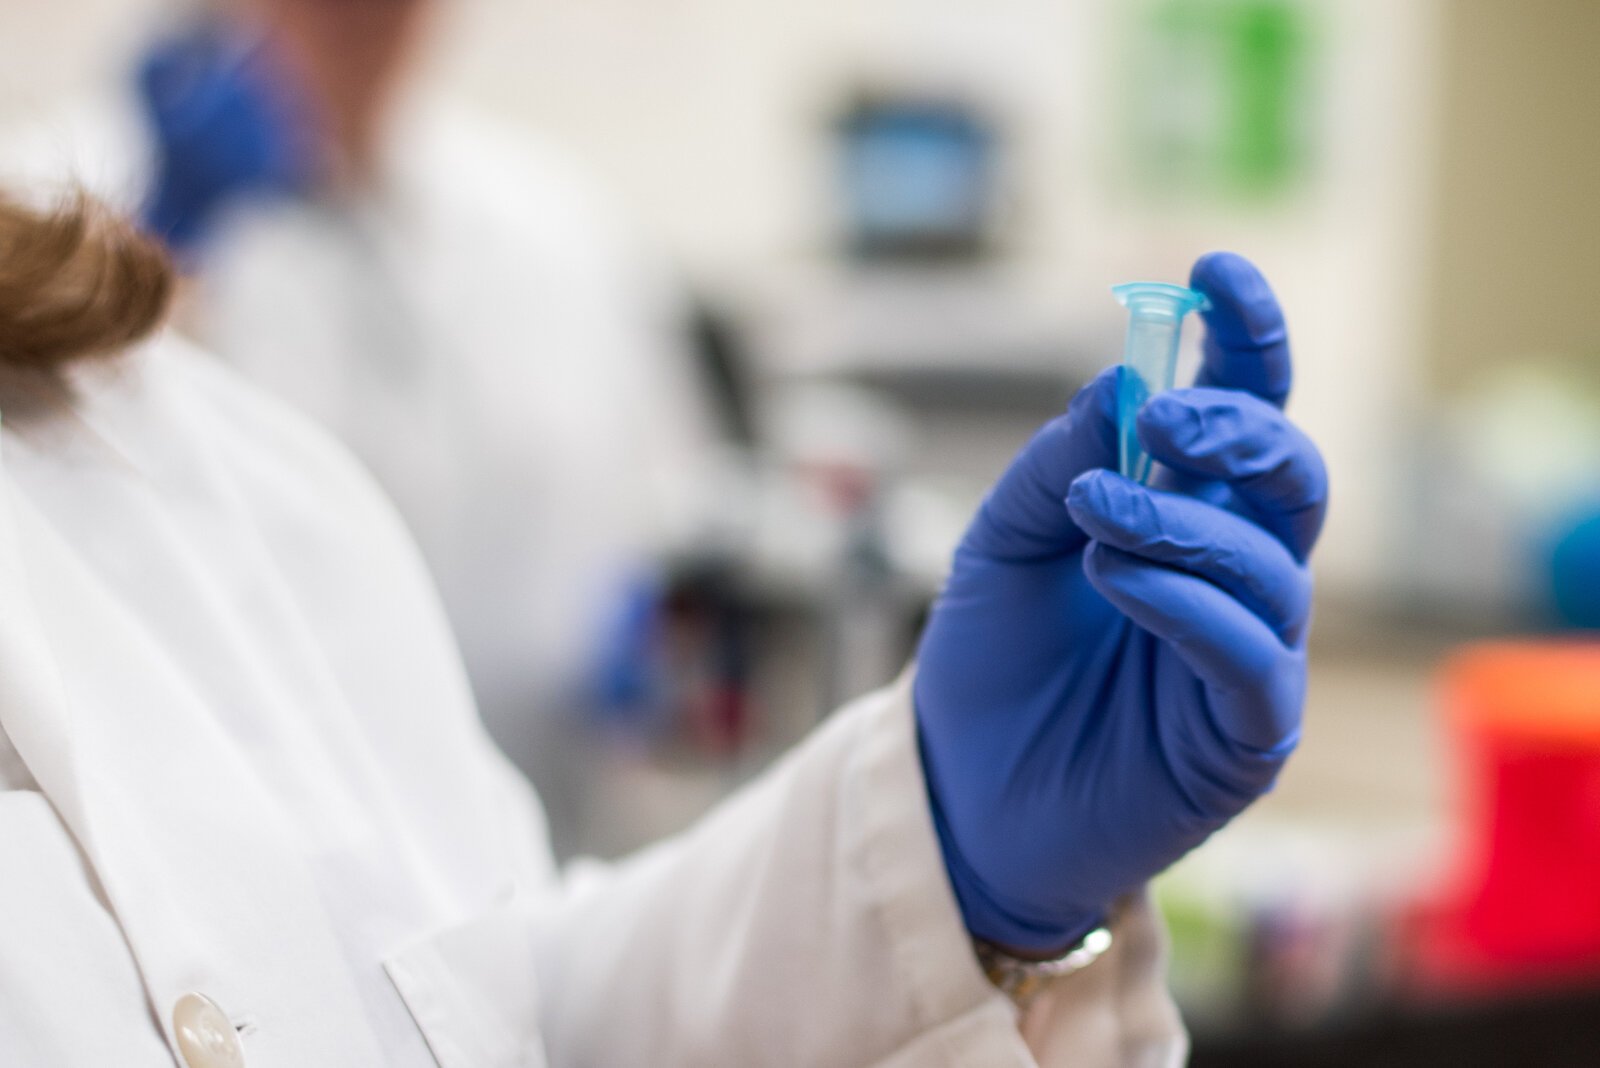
918, 178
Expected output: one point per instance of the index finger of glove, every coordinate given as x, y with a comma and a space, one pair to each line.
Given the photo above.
1186, 533
1226, 435
1023, 518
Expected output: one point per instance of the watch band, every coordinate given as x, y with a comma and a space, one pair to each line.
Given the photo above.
1023, 980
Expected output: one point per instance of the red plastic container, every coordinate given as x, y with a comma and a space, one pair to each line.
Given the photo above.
1523, 909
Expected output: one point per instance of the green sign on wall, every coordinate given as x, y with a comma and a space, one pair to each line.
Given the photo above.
1219, 100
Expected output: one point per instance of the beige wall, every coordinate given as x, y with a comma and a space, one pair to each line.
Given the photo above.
1516, 264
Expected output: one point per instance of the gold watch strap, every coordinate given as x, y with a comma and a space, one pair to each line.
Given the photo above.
1022, 980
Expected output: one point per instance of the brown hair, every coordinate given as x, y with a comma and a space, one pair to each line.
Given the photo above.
75, 281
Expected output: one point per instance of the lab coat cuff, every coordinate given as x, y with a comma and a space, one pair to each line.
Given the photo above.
963, 1019
1114, 1013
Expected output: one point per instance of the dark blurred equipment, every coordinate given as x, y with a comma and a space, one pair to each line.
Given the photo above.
1548, 1032
708, 628
919, 300
723, 359
918, 175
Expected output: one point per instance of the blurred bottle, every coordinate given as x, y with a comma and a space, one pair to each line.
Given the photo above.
1523, 910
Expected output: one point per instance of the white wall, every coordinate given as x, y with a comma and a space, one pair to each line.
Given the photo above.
51, 50
704, 115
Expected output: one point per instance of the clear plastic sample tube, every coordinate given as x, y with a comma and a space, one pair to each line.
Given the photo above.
1156, 311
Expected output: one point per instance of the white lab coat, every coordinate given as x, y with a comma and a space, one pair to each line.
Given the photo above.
479, 328
238, 757
483, 333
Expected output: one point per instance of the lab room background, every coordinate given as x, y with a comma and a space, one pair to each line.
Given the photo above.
897, 223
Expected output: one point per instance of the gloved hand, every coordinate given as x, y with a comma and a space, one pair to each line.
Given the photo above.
225, 123
1113, 672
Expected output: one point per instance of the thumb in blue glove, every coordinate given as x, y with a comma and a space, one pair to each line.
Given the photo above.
226, 122
1114, 671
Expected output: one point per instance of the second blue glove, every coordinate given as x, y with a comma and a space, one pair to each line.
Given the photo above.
225, 123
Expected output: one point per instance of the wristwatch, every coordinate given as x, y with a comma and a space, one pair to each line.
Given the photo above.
1023, 980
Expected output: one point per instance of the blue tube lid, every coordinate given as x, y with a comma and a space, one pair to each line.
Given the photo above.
1160, 298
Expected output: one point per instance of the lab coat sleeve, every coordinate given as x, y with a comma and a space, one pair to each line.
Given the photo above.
807, 921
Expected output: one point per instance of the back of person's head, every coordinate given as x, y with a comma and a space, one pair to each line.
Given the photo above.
76, 281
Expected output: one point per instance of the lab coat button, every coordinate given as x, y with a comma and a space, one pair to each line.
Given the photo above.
205, 1035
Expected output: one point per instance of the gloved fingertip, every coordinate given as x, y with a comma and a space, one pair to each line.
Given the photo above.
1235, 284
1245, 318
1165, 407
1082, 489
1102, 565
1096, 494
1100, 562
1285, 746
1216, 272
1169, 423
1098, 399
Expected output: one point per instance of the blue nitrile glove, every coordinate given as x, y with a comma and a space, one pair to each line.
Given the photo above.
225, 123
1114, 672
